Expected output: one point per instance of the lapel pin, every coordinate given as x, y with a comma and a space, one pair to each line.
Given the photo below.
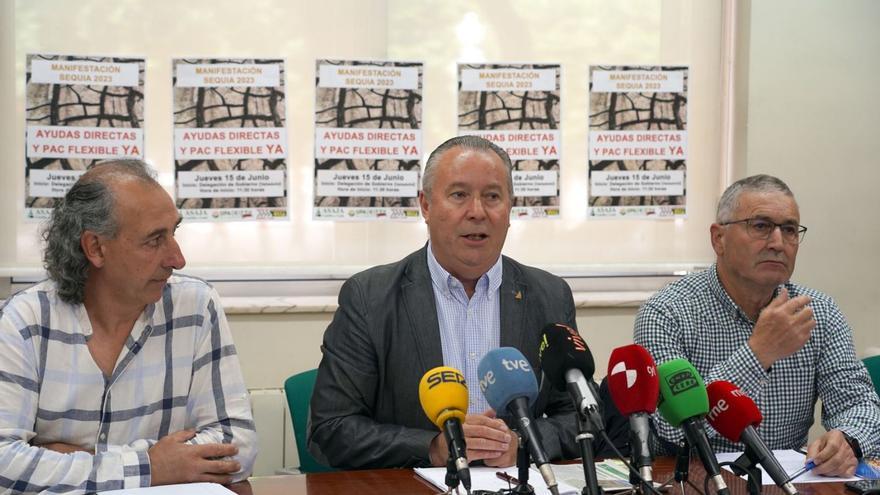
518, 295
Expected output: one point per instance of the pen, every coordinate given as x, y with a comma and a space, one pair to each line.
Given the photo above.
511, 480
808, 466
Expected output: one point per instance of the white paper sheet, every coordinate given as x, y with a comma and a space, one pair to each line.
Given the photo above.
183, 489
791, 461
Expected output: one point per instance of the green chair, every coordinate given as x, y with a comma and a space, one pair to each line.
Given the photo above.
873, 365
298, 389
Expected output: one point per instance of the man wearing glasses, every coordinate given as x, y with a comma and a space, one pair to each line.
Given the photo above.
783, 344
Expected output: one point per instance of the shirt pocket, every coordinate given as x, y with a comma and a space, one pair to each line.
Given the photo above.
792, 391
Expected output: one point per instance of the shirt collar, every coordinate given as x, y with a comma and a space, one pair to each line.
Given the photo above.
726, 301
443, 281
723, 297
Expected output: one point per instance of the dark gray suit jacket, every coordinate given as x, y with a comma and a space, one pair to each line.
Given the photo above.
365, 410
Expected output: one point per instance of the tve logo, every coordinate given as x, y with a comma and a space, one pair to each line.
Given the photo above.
516, 364
488, 379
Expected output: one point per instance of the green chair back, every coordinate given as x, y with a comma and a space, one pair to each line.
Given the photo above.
298, 389
873, 365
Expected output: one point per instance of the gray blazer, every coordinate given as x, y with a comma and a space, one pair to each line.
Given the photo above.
365, 410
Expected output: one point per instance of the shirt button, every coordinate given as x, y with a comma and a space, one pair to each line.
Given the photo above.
472, 355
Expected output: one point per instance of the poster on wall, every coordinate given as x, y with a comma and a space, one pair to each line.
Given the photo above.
517, 107
230, 139
368, 140
638, 142
79, 110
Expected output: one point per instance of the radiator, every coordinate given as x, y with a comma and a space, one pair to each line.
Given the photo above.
274, 432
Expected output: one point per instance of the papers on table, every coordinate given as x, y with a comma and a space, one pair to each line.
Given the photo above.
791, 461
184, 489
612, 476
484, 478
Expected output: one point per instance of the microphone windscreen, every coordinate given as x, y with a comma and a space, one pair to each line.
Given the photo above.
632, 380
443, 395
682, 393
506, 374
562, 349
731, 410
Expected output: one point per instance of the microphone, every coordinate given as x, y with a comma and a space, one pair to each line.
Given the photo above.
568, 363
634, 389
444, 397
683, 402
734, 415
509, 385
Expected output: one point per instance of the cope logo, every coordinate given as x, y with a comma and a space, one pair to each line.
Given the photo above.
681, 381
445, 376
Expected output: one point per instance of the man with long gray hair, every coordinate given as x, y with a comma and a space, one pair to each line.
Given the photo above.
115, 373
786, 346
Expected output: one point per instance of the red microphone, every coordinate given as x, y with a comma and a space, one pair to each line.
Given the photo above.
735, 416
634, 388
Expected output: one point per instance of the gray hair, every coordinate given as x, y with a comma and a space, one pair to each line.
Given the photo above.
88, 205
475, 143
760, 183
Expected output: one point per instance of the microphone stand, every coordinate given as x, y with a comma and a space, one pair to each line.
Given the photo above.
585, 440
522, 467
643, 464
451, 475
746, 465
682, 466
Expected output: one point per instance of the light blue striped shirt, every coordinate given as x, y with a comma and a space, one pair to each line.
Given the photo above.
469, 328
178, 370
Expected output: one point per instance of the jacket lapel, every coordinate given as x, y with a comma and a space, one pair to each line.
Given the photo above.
513, 306
421, 310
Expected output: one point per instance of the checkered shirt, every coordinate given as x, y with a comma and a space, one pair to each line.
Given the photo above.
177, 370
469, 327
694, 318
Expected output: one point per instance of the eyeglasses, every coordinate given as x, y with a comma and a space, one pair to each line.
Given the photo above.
761, 228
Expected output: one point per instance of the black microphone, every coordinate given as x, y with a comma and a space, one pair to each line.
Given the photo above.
567, 362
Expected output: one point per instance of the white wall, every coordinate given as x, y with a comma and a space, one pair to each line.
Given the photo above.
812, 113
808, 115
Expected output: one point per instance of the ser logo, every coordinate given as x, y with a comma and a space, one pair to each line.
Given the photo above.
681, 381
445, 376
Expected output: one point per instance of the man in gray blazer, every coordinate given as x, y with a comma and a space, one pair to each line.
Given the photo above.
445, 304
